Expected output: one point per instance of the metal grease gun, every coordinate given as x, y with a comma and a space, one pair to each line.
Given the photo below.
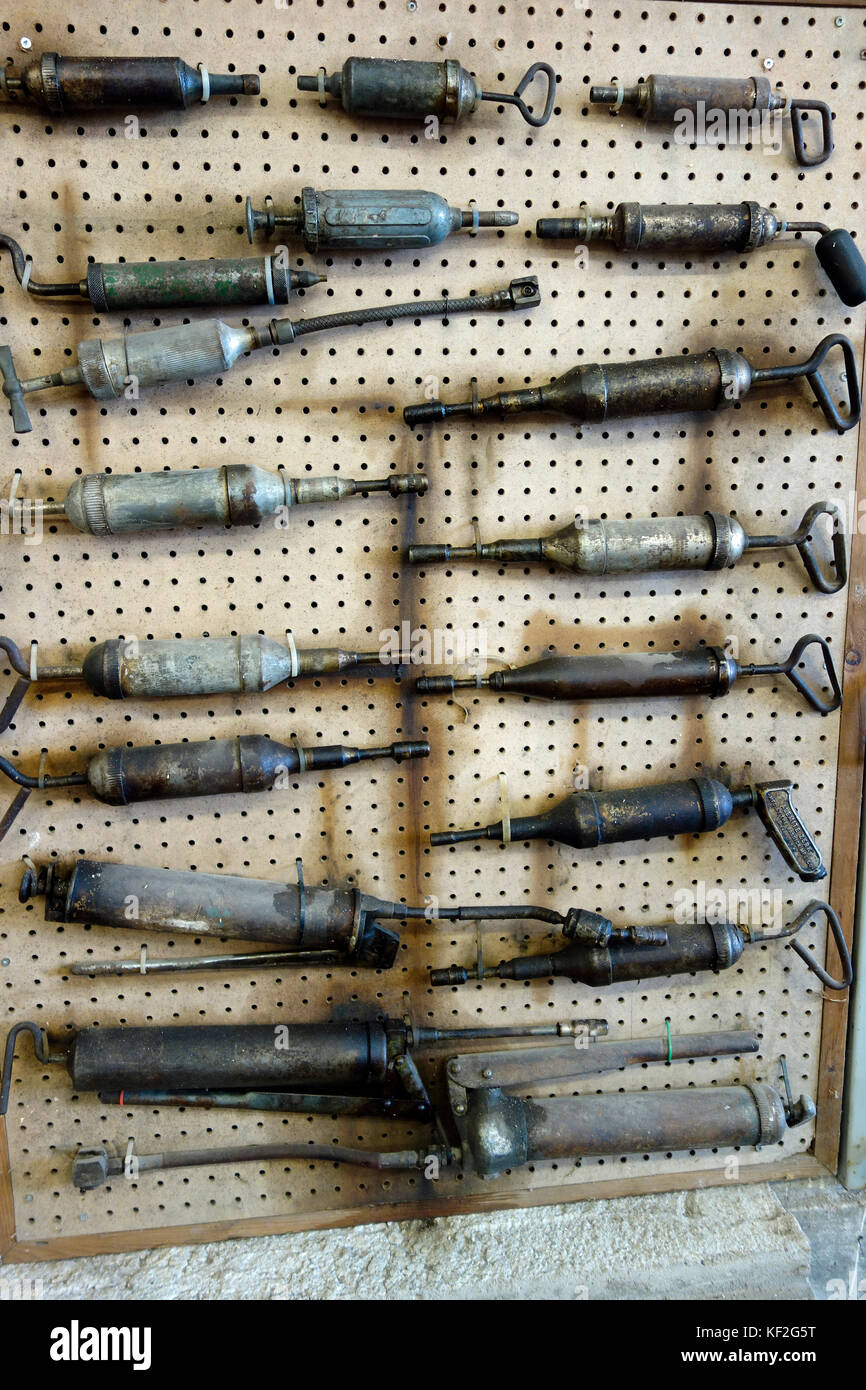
369, 1068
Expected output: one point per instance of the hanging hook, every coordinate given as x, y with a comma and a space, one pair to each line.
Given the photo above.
40, 1047
515, 98
23, 268
21, 686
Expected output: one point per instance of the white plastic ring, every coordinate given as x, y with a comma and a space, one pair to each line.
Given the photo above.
293, 653
34, 647
620, 96
142, 960
28, 271
205, 83
473, 231
320, 80
269, 279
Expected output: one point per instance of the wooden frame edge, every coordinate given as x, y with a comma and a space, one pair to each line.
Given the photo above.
7, 1206
846, 844
74, 1247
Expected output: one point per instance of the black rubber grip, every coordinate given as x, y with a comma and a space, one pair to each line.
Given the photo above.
839, 255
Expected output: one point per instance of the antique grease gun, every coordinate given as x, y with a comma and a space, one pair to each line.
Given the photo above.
343, 926
663, 98
364, 219
587, 819
237, 494
404, 89
167, 284
640, 675
151, 669
120, 776
712, 227
60, 85
599, 546
109, 368
597, 953
333, 220
368, 1068
712, 380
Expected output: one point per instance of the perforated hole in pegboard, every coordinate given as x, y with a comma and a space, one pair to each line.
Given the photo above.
80, 189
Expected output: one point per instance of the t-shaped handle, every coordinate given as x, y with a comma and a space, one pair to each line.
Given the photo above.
14, 393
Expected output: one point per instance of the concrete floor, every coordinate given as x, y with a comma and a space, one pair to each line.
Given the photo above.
785, 1241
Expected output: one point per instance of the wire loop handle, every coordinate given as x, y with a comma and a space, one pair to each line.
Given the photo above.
515, 98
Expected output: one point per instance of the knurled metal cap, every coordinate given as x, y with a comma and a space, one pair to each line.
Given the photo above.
50, 82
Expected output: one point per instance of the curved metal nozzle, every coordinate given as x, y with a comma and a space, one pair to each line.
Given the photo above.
23, 268
18, 663
515, 98
72, 779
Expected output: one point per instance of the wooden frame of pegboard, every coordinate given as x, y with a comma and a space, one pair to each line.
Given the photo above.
467, 470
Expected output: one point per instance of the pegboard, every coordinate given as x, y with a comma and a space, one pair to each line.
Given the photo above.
80, 189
